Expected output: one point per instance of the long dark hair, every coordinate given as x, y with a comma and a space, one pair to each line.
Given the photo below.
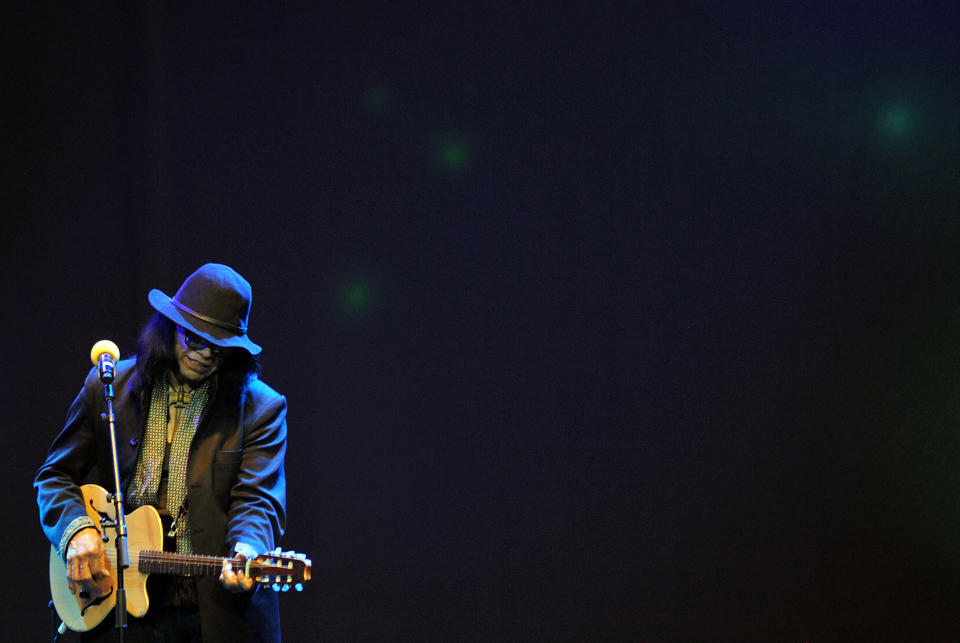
156, 354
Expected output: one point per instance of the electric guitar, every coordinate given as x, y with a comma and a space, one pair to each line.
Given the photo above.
281, 570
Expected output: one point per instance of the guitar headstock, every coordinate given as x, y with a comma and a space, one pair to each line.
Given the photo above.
281, 569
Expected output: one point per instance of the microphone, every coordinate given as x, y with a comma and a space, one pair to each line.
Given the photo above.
104, 356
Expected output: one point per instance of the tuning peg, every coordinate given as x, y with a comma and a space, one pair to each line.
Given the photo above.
298, 587
276, 587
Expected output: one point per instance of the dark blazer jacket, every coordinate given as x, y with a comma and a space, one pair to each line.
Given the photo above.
236, 486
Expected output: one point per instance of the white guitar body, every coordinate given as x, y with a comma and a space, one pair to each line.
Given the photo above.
144, 532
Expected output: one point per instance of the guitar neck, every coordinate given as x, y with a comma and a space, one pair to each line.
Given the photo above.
285, 570
161, 562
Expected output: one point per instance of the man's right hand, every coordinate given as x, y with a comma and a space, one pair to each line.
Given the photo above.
88, 569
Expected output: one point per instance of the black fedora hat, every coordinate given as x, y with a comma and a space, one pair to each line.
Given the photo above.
213, 302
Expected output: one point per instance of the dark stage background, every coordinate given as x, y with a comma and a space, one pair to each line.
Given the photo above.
608, 322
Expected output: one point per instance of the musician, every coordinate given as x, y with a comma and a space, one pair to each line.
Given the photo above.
202, 439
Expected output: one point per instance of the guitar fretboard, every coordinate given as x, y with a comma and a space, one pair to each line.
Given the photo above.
161, 562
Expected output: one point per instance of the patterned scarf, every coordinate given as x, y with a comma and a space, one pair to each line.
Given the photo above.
145, 485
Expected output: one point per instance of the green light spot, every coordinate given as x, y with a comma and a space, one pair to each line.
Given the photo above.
357, 298
453, 154
896, 123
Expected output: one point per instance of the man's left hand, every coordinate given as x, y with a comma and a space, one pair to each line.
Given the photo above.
232, 576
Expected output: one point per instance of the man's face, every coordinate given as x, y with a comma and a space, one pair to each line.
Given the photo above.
197, 359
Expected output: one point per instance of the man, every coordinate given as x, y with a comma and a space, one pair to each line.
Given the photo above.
200, 438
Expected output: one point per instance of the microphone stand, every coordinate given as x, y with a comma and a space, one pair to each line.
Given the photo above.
119, 522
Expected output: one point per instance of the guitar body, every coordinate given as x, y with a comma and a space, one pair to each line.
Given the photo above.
144, 532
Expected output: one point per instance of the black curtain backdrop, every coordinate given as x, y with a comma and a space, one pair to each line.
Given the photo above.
608, 322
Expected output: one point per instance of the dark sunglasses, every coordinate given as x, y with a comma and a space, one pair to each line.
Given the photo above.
199, 343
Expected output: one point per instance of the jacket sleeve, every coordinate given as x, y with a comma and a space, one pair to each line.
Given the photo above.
70, 458
257, 515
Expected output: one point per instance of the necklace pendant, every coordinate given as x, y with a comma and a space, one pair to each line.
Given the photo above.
176, 521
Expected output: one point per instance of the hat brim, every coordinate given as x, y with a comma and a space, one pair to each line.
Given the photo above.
211, 332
